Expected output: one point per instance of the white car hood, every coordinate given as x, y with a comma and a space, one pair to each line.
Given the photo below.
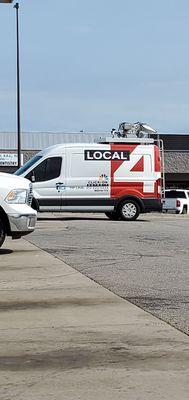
9, 181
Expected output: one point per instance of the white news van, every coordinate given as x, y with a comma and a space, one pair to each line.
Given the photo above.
120, 176
17, 218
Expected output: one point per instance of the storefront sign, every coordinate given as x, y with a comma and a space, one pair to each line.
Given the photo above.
9, 160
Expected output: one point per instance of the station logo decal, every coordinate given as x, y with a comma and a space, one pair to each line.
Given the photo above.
102, 183
106, 155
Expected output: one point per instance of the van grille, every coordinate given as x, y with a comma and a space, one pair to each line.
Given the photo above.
30, 195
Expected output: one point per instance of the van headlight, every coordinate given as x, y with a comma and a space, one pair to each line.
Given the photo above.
16, 196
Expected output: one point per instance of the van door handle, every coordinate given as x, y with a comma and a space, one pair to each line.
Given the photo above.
58, 185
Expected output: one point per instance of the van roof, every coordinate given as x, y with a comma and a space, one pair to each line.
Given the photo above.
56, 149
63, 146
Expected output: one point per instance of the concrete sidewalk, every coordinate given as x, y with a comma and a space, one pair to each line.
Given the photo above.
64, 337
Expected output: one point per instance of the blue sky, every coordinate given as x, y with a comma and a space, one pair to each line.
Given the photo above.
88, 65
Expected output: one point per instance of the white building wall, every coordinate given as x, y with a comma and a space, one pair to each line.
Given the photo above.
41, 140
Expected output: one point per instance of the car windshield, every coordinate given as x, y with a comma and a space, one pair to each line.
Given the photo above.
29, 164
174, 194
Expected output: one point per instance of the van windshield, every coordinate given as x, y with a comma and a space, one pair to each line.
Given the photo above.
28, 165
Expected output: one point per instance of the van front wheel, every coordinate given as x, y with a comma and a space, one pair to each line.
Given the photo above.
114, 216
129, 210
2, 233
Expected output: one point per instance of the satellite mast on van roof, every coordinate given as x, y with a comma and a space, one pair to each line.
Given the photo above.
136, 129
131, 132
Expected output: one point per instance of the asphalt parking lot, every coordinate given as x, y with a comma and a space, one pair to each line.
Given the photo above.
145, 262
64, 336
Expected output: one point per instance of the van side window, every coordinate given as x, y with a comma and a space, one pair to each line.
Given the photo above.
53, 168
46, 170
38, 172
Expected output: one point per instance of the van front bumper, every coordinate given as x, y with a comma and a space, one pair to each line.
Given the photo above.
22, 224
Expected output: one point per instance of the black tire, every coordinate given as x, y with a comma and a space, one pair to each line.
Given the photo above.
184, 211
112, 215
129, 210
2, 233
34, 205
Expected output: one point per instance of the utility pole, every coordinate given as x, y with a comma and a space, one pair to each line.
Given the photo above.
16, 6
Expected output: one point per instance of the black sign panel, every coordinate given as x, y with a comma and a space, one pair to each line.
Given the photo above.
107, 155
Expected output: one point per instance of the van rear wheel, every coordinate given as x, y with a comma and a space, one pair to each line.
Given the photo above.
2, 233
129, 210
